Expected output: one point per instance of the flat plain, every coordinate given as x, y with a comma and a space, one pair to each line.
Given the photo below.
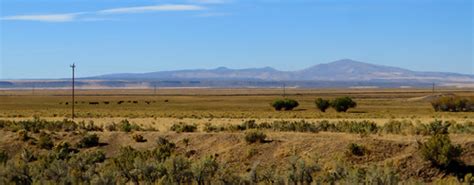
159, 110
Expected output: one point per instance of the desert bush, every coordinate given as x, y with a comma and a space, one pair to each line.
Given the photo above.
111, 127
183, 127
27, 155
178, 170
464, 128
359, 127
208, 127
45, 141
90, 126
300, 171
342, 104
397, 127
355, 149
322, 104
138, 138
453, 104
3, 157
254, 136
63, 151
285, 104
164, 150
278, 104
23, 135
126, 126
205, 170
439, 150
433, 128
294, 126
88, 140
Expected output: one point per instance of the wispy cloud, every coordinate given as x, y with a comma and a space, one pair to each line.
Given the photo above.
156, 8
214, 14
44, 17
68, 17
210, 1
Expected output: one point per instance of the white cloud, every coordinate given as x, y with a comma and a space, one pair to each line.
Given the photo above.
214, 14
210, 1
141, 9
68, 17
44, 17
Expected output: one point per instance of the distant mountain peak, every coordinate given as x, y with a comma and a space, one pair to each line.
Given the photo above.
340, 70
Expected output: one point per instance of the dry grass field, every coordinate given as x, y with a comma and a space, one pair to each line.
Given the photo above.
386, 154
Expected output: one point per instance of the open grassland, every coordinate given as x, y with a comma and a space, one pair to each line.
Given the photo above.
230, 136
222, 103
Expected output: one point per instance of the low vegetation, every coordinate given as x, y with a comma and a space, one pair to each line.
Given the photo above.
254, 136
285, 104
183, 127
342, 104
322, 104
88, 140
453, 104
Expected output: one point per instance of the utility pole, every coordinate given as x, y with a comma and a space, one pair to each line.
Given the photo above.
433, 88
284, 90
154, 89
73, 66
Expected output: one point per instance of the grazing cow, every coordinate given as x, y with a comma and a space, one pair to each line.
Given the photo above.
93, 103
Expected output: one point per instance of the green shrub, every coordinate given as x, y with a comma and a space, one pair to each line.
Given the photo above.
63, 150
205, 170
285, 104
453, 104
342, 104
300, 171
178, 170
3, 157
183, 127
23, 135
89, 140
254, 136
208, 127
359, 127
355, 149
126, 126
164, 150
278, 104
138, 138
45, 141
439, 150
322, 104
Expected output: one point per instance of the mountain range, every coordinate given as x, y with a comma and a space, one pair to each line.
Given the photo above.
341, 70
341, 73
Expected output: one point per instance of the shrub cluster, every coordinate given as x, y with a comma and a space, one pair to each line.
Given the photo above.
138, 138
438, 149
285, 104
355, 149
254, 136
453, 104
322, 104
341, 104
36, 125
88, 140
183, 127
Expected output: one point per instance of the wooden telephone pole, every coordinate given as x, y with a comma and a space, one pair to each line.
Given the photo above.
73, 66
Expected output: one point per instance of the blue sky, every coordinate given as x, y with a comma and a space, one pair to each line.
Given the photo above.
39, 39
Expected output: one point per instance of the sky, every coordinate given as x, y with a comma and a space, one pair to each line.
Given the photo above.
41, 38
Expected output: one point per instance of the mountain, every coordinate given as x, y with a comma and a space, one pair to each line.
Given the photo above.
341, 70
341, 73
